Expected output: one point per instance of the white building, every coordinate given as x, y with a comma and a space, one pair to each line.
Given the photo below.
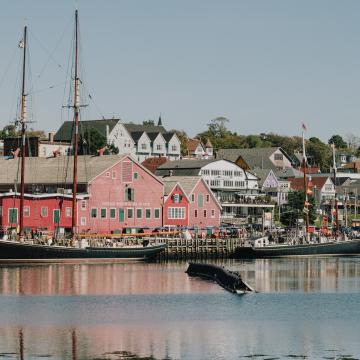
140, 141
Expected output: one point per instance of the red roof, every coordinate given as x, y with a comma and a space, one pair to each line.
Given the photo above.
192, 144
310, 170
153, 163
298, 183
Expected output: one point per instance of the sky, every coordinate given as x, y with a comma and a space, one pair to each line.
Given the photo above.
266, 65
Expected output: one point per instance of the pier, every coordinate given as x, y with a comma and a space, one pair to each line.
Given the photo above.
180, 248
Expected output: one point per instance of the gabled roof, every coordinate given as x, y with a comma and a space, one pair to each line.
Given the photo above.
184, 167
298, 183
256, 158
168, 136
153, 163
136, 135
130, 127
262, 174
288, 173
66, 130
154, 135
59, 170
192, 144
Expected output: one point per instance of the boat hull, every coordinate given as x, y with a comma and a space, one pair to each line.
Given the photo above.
350, 247
24, 251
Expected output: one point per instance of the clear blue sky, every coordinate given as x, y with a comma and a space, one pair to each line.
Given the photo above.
266, 65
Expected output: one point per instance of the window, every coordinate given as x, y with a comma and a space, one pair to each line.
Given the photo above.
83, 221
157, 213
176, 213
238, 173
278, 156
143, 146
130, 213
83, 205
200, 200
68, 212
112, 213
228, 183
205, 213
56, 216
129, 194
26, 211
158, 147
192, 197
216, 172
121, 215
173, 147
107, 174
138, 213
213, 213
207, 198
214, 183
44, 211
94, 213
13, 215
205, 172
176, 198
227, 172
113, 174
103, 213
136, 175
195, 213
240, 184
148, 213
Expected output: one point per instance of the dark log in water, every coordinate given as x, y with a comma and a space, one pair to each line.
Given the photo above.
229, 280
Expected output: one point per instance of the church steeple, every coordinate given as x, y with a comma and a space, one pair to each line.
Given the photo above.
159, 121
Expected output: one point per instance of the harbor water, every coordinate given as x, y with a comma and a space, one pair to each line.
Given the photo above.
306, 308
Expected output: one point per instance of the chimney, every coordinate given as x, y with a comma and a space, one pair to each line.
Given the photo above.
101, 151
51, 136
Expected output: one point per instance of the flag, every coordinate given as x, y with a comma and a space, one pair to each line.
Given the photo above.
21, 44
304, 127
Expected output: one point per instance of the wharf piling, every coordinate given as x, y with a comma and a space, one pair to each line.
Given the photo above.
179, 248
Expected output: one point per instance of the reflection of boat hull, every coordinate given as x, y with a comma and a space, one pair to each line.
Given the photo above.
17, 250
350, 247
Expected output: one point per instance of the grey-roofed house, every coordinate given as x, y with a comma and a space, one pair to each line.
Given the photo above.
129, 138
257, 158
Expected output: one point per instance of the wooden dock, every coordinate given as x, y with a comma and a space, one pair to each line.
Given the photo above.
199, 248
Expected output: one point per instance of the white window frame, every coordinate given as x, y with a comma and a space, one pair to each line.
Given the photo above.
68, 211
27, 208
83, 205
47, 211
83, 221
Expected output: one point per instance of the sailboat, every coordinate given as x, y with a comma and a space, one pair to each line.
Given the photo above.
336, 246
77, 248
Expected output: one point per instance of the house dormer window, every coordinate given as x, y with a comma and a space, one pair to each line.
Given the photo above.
176, 198
158, 147
278, 157
173, 148
143, 146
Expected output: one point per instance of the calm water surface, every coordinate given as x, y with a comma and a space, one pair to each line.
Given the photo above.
305, 308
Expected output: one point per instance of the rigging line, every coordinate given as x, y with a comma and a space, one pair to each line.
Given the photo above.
46, 88
51, 54
15, 93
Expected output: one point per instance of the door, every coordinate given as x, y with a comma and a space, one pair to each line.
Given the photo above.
56, 216
121, 215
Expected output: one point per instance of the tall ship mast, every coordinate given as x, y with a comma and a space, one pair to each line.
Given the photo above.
22, 122
76, 107
336, 198
304, 165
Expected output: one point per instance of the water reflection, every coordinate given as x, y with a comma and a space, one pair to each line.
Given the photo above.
306, 308
265, 275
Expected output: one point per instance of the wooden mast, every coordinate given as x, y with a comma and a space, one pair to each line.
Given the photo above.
76, 107
23, 128
306, 204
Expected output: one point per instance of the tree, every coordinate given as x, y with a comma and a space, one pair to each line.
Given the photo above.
319, 154
294, 209
8, 131
217, 127
148, 122
338, 141
91, 141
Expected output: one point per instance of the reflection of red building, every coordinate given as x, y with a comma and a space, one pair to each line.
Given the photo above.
188, 201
